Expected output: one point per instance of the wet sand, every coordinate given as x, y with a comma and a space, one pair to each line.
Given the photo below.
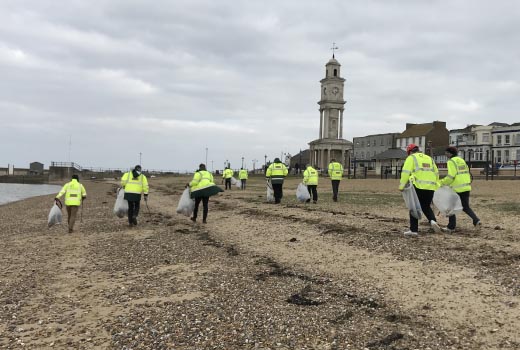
261, 276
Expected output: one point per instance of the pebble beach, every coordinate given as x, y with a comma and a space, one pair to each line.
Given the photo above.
258, 276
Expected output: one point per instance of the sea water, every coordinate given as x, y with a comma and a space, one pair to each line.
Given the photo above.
15, 192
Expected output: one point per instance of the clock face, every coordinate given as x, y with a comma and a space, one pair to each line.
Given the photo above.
335, 90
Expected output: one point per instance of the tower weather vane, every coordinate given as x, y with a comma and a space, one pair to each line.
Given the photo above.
334, 48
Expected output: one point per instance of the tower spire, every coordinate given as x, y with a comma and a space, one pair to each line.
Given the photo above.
334, 48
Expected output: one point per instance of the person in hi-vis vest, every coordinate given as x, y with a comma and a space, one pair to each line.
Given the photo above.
276, 173
459, 179
335, 171
243, 175
227, 174
310, 178
75, 194
135, 184
422, 171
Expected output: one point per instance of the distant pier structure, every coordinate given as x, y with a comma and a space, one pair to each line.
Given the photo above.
63, 170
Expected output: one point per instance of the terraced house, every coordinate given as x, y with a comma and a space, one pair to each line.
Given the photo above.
496, 142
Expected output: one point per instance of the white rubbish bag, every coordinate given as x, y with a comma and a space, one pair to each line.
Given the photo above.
55, 215
186, 204
233, 181
447, 201
238, 183
302, 192
270, 193
121, 206
412, 201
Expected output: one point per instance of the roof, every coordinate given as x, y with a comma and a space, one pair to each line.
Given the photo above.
417, 130
392, 153
466, 129
498, 124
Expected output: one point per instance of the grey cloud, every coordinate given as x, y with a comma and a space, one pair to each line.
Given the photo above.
92, 68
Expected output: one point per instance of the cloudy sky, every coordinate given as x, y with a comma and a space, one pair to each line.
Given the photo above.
98, 82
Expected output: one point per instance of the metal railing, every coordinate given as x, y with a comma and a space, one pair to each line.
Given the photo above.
67, 165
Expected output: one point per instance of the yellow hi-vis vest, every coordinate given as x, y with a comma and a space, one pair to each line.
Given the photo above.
74, 192
138, 185
242, 174
335, 171
424, 171
227, 174
201, 179
310, 176
277, 170
458, 176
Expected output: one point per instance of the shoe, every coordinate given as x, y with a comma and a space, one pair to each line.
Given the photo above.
335, 199
308, 201
70, 230
193, 219
134, 221
447, 230
204, 222
478, 224
410, 233
314, 202
435, 226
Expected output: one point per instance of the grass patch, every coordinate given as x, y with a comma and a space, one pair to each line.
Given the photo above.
506, 206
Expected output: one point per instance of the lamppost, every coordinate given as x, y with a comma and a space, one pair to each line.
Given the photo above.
211, 166
254, 162
140, 155
265, 161
206, 156
300, 161
242, 162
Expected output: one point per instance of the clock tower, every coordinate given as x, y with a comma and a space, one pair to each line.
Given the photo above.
332, 102
330, 143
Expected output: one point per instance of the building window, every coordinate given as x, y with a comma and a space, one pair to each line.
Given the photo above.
478, 154
499, 157
507, 139
368, 143
382, 141
485, 137
335, 72
517, 139
506, 156
499, 139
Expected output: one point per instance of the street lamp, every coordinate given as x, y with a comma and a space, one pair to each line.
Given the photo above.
242, 162
140, 155
254, 162
212, 166
206, 156
265, 161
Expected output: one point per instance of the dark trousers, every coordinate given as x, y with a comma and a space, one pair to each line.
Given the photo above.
335, 188
72, 210
313, 192
205, 201
464, 198
133, 210
243, 184
425, 198
278, 192
228, 183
